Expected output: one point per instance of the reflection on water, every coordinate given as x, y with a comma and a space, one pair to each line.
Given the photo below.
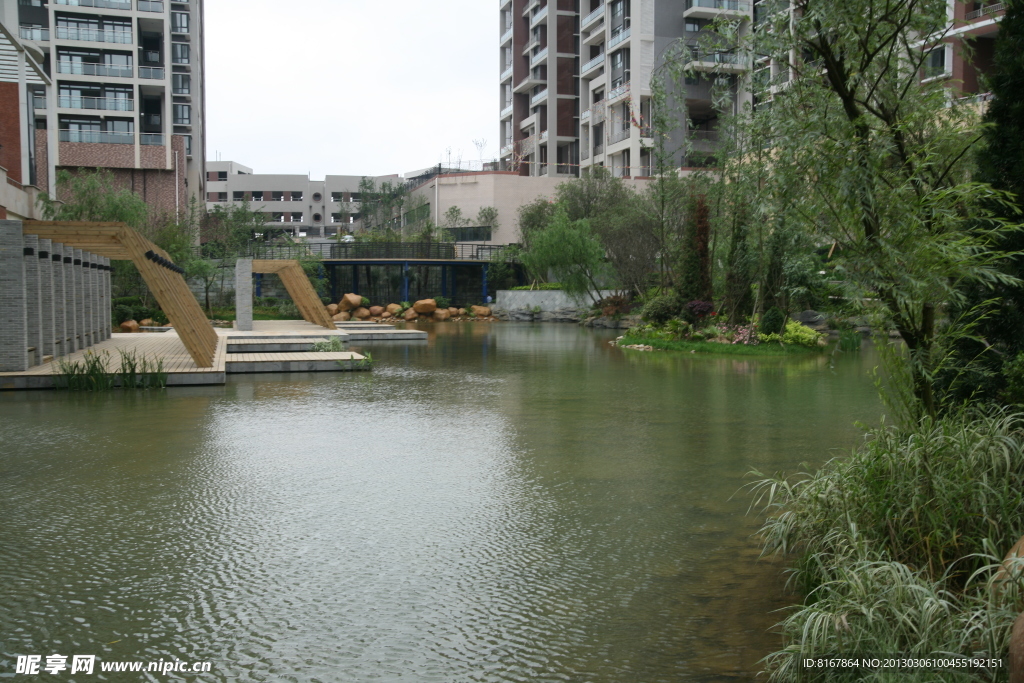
506, 503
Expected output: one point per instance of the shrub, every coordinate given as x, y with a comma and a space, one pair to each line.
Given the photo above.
795, 335
679, 329
443, 301
287, 309
772, 322
1014, 372
540, 286
660, 309
121, 313
697, 312
129, 301
365, 302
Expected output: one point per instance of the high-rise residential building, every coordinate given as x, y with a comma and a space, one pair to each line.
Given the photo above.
126, 91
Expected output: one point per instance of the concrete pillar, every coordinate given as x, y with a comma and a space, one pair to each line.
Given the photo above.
105, 314
33, 300
13, 324
77, 307
60, 323
89, 298
243, 294
46, 297
70, 292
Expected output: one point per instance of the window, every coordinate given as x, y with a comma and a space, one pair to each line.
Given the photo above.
238, 196
337, 196
337, 218
692, 26
317, 218
182, 84
296, 195
296, 217
181, 53
222, 175
183, 115
277, 217
179, 22
257, 195
188, 145
317, 197
935, 62
276, 196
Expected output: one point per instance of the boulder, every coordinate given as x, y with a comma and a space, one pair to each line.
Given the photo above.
361, 313
453, 311
350, 302
411, 314
462, 311
393, 308
425, 306
376, 311
812, 319
148, 322
441, 314
332, 309
342, 317
129, 326
481, 311
385, 315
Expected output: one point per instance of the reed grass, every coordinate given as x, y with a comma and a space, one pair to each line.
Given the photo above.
93, 372
897, 546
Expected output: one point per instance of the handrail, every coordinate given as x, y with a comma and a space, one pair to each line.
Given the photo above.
593, 63
617, 38
593, 16
366, 251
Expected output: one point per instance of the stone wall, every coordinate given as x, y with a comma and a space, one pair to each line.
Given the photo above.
541, 306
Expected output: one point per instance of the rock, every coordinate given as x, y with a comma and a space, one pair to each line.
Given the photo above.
522, 316
129, 326
393, 308
376, 311
812, 319
410, 314
332, 309
385, 315
452, 311
342, 317
426, 306
481, 311
462, 311
559, 315
350, 302
361, 313
148, 322
1016, 655
441, 314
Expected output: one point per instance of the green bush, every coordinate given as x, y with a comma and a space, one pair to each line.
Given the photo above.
660, 309
1014, 372
365, 302
795, 335
772, 322
443, 301
288, 310
121, 313
129, 301
542, 286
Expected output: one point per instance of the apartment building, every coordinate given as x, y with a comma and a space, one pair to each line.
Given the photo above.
293, 204
22, 168
126, 91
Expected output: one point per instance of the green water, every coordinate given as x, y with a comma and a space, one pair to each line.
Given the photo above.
506, 502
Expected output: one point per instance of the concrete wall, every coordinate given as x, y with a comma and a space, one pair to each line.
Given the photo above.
554, 305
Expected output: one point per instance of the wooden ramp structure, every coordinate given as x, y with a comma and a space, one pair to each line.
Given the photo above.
300, 289
165, 280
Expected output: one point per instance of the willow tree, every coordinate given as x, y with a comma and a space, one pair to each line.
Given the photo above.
869, 156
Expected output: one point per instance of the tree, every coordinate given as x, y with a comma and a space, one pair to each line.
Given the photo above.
228, 230
487, 216
93, 196
207, 273
695, 269
381, 207
570, 250
867, 157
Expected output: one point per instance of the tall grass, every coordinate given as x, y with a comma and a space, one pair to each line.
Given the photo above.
332, 344
93, 372
897, 546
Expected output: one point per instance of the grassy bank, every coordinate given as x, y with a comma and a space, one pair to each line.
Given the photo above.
719, 349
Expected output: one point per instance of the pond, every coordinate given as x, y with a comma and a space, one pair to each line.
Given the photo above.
505, 502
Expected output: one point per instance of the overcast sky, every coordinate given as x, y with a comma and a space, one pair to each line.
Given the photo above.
350, 87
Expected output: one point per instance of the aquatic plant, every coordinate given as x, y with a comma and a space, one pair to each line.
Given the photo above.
331, 344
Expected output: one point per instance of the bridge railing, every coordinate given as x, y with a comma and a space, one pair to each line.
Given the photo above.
373, 251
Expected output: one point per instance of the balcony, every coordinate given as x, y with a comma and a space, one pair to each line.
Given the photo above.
619, 91
100, 103
93, 35
99, 4
543, 136
539, 97
151, 6
585, 116
506, 36
990, 9
539, 57
507, 150
502, 3
97, 136
90, 69
155, 73
32, 33
506, 112
592, 64
536, 18
505, 75
617, 39
715, 62
592, 17
38, 102
619, 132
528, 84
712, 9
154, 139
703, 135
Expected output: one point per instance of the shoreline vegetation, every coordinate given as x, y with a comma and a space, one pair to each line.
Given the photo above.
716, 348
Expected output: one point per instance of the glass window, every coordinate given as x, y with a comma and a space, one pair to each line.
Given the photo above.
179, 22
182, 84
257, 195
183, 114
181, 53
